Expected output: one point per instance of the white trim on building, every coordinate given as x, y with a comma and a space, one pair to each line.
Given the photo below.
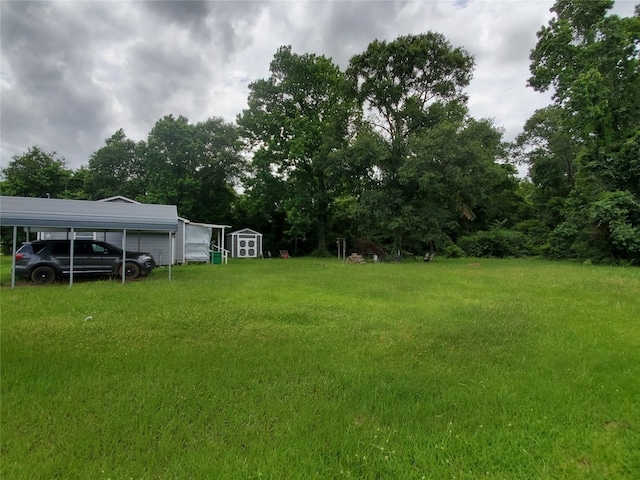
245, 243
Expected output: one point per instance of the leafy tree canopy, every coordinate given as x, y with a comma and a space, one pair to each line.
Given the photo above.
193, 167
116, 169
591, 60
297, 120
36, 173
407, 86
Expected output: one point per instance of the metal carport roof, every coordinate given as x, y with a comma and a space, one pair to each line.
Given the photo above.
35, 213
51, 214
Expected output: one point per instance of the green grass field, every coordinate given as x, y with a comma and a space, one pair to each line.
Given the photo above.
308, 368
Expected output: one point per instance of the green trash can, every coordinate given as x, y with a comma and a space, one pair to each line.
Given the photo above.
216, 257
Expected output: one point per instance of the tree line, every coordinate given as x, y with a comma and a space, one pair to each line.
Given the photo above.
386, 154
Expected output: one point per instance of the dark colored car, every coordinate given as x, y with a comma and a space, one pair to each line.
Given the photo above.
45, 260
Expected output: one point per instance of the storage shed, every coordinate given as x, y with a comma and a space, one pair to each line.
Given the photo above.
245, 243
77, 216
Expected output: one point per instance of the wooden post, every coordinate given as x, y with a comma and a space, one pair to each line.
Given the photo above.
342, 248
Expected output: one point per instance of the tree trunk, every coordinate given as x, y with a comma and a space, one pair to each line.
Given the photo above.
397, 242
323, 207
321, 231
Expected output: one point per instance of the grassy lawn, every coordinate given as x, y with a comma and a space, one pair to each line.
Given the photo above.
308, 368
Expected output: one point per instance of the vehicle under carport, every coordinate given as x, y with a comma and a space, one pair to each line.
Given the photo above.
74, 216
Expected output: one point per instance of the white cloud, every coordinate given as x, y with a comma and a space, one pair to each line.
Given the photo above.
73, 73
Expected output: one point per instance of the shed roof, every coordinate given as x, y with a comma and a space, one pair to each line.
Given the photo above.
118, 198
244, 231
52, 213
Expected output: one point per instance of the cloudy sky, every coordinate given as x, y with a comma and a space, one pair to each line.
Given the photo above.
74, 72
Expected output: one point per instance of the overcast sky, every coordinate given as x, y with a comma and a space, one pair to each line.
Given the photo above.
74, 72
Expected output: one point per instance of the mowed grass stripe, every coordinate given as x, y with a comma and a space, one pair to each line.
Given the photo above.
314, 368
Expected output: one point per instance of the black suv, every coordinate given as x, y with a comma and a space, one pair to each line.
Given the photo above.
45, 260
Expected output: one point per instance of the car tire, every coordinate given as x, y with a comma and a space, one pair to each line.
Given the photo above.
43, 275
132, 270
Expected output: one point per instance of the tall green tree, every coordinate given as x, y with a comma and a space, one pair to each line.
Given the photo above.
170, 164
591, 60
36, 173
456, 179
220, 166
359, 160
261, 205
77, 183
549, 150
194, 167
297, 120
116, 169
407, 85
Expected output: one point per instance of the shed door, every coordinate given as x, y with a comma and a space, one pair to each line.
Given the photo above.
247, 246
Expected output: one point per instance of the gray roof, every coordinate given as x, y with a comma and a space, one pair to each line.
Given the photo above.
49, 213
246, 231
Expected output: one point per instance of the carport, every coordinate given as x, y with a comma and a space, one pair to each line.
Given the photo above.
72, 216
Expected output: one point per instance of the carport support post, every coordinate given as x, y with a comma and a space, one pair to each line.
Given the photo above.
13, 260
171, 249
124, 255
71, 255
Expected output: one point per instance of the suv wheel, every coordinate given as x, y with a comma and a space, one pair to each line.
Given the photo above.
43, 275
132, 270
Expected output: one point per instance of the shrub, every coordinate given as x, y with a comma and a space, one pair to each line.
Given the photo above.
537, 234
561, 241
496, 242
453, 251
